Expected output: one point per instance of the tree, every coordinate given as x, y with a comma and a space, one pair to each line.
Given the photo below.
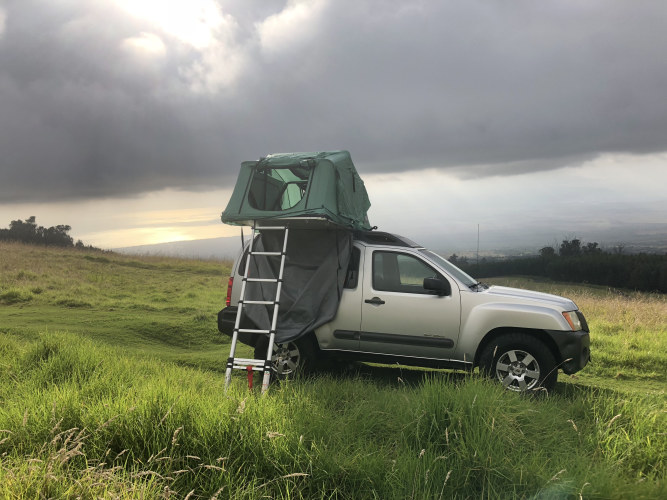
547, 252
57, 236
29, 232
592, 248
570, 248
25, 232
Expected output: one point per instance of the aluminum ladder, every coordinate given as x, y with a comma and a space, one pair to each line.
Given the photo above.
261, 365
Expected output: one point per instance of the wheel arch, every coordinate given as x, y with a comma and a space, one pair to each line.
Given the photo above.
306, 337
496, 333
312, 339
307, 353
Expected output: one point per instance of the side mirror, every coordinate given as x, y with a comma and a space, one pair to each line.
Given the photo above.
441, 287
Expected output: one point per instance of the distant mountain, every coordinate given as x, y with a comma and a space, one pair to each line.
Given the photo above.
650, 238
631, 238
212, 248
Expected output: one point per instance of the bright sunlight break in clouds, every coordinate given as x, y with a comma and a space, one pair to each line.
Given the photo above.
192, 21
128, 119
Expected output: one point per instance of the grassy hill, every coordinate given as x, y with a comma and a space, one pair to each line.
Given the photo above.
111, 385
158, 306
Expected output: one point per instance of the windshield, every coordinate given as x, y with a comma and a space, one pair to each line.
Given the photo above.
450, 268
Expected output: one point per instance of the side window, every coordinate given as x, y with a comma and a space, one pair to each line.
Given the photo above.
352, 277
241, 266
398, 272
278, 189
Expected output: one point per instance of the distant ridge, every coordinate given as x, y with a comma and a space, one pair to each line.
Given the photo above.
211, 248
632, 238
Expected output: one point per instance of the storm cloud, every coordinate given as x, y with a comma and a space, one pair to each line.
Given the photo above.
115, 98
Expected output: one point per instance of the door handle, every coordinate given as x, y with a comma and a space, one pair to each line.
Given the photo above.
376, 301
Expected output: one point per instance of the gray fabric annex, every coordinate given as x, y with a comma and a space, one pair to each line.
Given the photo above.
315, 270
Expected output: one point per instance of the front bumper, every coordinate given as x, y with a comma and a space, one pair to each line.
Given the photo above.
226, 320
573, 348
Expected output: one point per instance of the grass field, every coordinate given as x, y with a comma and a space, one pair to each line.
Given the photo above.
111, 385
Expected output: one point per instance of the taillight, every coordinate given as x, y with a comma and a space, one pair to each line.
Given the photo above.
230, 284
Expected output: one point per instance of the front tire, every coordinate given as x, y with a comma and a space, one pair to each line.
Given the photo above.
520, 362
288, 359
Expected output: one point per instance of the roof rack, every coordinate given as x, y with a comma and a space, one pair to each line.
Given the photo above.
382, 238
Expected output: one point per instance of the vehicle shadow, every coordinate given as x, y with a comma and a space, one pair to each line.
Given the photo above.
389, 375
580, 391
401, 375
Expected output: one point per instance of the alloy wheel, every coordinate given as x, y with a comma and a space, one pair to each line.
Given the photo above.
285, 359
518, 370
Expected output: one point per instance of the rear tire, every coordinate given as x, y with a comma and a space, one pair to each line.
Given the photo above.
288, 359
520, 362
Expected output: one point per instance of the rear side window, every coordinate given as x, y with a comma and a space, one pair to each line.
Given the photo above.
241, 268
352, 277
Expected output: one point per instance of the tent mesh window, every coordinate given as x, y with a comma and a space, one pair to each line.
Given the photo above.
278, 189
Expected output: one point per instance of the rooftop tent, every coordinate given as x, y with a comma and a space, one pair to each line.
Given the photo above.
321, 185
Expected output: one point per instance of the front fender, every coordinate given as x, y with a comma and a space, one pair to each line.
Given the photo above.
483, 318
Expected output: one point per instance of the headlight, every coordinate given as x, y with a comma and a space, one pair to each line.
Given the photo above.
573, 320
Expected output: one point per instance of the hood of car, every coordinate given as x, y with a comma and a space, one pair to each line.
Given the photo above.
521, 295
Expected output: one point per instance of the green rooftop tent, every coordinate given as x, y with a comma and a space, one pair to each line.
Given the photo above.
323, 186
323, 200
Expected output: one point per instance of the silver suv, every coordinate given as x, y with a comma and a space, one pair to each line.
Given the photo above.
405, 304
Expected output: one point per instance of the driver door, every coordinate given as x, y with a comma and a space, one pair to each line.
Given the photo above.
400, 317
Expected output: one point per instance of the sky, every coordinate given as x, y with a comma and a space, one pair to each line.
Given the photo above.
534, 121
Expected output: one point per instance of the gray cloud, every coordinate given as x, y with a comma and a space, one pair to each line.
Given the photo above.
98, 103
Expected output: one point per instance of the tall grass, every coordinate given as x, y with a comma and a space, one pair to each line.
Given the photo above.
111, 386
78, 419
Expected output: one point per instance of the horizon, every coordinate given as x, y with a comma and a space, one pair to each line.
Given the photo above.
229, 246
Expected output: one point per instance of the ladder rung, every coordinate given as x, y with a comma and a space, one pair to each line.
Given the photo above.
262, 280
266, 253
245, 367
264, 228
248, 330
249, 362
264, 302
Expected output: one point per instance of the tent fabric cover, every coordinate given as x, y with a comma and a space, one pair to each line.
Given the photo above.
315, 270
300, 185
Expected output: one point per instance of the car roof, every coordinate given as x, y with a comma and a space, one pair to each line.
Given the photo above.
382, 238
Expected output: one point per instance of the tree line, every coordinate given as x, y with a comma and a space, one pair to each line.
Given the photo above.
580, 263
29, 232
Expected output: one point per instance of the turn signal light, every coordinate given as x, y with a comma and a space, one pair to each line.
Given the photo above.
573, 320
